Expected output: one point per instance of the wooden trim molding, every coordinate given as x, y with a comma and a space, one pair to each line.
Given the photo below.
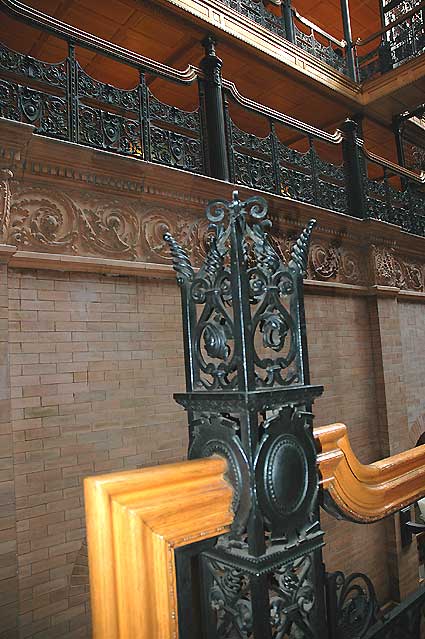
135, 521
366, 493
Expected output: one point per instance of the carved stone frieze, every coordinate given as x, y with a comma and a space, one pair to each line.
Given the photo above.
36, 217
5, 200
190, 233
389, 269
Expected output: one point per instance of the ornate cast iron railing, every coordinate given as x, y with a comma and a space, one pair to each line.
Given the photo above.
290, 24
401, 38
61, 100
249, 400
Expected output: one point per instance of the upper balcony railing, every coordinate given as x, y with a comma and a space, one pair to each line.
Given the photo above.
293, 159
402, 38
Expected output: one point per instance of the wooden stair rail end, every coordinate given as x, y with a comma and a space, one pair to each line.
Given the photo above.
135, 520
366, 493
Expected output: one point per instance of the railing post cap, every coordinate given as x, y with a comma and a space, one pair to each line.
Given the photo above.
209, 43
349, 126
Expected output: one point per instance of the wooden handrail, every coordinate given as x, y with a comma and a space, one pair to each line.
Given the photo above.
366, 493
394, 168
135, 520
36, 18
360, 43
314, 27
277, 116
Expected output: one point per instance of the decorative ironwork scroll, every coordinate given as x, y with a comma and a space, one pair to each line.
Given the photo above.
249, 400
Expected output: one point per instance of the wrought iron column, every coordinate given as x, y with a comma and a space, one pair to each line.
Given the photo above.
351, 57
211, 98
354, 170
398, 124
288, 18
249, 400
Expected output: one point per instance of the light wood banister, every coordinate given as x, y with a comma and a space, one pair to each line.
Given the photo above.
366, 492
135, 520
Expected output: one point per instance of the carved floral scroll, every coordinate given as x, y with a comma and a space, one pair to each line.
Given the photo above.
84, 223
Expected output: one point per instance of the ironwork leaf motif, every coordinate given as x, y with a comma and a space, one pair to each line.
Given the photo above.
181, 261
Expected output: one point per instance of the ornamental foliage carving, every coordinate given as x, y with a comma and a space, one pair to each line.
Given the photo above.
71, 222
389, 269
55, 222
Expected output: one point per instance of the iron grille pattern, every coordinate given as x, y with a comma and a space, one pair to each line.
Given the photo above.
328, 54
62, 101
255, 10
399, 43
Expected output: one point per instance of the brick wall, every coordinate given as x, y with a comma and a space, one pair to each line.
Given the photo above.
412, 322
94, 361
341, 358
8, 543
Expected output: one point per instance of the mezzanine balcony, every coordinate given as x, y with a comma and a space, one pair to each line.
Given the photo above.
277, 154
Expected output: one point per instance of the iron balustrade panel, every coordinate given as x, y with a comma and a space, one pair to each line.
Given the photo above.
175, 136
256, 11
327, 54
252, 160
404, 207
331, 185
398, 44
414, 156
109, 131
105, 93
266, 163
46, 112
407, 38
55, 75
405, 621
295, 173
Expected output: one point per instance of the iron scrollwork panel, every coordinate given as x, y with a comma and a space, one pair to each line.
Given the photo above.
88, 87
48, 113
109, 131
52, 74
175, 136
290, 595
327, 54
175, 149
256, 11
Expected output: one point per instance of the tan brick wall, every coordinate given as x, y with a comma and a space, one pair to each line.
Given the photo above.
341, 358
412, 323
8, 542
94, 363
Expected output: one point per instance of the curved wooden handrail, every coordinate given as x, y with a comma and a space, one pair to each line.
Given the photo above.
394, 168
35, 18
277, 116
366, 493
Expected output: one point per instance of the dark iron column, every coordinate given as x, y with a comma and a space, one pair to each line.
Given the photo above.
249, 399
288, 18
354, 170
351, 56
211, 97
398, 123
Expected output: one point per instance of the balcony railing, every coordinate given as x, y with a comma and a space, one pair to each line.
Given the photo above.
402, 38
293, 159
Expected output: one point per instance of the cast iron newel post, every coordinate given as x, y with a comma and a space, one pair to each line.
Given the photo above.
249, 399
288, 18
211, 98
354, 170
351, 57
